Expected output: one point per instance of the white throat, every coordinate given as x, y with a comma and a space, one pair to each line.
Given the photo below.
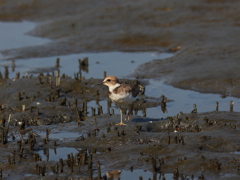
112, 87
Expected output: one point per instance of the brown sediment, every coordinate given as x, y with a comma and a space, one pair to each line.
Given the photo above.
185, 144
207, 61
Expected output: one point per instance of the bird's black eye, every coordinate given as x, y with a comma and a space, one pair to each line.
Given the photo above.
109, 80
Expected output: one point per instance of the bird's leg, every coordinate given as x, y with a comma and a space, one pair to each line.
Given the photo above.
121, 123
127, 117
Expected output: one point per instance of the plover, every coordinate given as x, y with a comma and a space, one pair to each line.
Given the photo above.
115, 174
121, 94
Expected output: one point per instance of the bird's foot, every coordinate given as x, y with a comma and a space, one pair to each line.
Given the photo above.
121, 124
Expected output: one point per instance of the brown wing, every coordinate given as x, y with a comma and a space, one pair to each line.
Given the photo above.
126, 88
135, 92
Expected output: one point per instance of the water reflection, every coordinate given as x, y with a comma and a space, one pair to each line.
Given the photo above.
57, 153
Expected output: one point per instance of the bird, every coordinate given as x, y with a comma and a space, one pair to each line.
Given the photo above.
115, 174
121, 94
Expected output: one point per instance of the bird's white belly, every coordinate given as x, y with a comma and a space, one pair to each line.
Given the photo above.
120, 98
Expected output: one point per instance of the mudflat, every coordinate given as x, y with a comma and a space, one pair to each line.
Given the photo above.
203, 34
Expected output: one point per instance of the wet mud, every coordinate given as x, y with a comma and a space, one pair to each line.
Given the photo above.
203, 35
54, 135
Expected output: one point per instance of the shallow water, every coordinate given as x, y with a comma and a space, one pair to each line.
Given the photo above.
58, 153
114, 63
184, 99
13, 35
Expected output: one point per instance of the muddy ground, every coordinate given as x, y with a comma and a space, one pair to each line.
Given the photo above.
203, 144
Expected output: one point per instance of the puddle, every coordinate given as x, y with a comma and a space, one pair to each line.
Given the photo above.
135, 174
184, 99
114, 63
56, 154
13, 35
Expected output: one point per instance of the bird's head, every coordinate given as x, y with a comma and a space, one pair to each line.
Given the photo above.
110, 81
